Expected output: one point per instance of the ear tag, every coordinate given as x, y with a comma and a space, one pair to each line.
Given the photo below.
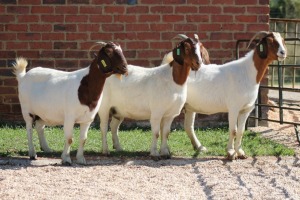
103, 63
178, 52
261, 48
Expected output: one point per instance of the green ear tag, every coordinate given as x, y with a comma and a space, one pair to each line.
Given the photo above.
178, 52
103, 63
261, 48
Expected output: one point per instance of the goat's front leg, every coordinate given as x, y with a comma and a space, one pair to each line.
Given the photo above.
232, 117
114, 126
155, 126
40, 126
165, 131
104, 128
83, 136
189, 120
68, 131
242, 119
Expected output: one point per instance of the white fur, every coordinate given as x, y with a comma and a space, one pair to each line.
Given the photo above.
230, 87
53, 96
146, 93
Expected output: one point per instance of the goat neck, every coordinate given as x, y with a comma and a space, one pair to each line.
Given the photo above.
180, 72
261, 66
91, 86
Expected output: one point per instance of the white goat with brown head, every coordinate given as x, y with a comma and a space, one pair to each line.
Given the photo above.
53, 97
156, 94
231, 88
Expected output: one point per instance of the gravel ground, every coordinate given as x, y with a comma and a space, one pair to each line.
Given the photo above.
177, 178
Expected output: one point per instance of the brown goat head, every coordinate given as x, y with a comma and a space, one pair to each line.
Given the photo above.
110, 59
188, 52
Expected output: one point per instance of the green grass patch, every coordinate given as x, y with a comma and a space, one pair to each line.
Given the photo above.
136, 143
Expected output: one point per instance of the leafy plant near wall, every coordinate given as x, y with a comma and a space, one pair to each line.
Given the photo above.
289, 9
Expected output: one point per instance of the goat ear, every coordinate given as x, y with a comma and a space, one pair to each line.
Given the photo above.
187, 48
262, 48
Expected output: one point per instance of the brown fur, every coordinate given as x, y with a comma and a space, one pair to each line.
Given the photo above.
92, 84
262, 64
183, 63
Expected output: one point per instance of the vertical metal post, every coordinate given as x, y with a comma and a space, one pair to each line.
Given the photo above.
257, 117
280, 92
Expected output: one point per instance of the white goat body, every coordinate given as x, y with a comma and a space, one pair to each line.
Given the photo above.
150, 90
52, 97
146, 93
206, 87
51, 94
231, 87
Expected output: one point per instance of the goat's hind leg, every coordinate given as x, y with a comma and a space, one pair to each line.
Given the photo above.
40, 126
31, 150
189, 120
114, 126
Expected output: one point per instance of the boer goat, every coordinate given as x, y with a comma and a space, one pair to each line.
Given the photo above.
231, 88
203, 51
157, 94
52, 97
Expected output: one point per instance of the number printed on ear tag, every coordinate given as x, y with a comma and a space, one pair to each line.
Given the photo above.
178, 52
103, 63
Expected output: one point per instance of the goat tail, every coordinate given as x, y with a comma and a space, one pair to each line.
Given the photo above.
20, 67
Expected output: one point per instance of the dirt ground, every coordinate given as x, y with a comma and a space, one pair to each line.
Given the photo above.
177, 178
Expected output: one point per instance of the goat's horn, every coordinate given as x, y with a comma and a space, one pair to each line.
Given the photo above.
181, 36
258, 35
196, 36
102, 43
97, 44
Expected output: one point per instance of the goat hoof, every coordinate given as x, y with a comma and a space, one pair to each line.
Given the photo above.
242, 157
165, 157
231, 157
155, 158
117, 148
66, 163
107, 154
46, 150
33, 157
201, 149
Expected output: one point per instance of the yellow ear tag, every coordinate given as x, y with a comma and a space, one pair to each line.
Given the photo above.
103, 63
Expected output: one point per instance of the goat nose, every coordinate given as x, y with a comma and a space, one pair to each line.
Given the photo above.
282, 52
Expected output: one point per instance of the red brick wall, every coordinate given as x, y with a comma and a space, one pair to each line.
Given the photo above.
58, 33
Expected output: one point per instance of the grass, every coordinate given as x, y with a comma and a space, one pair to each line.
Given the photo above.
136, 143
